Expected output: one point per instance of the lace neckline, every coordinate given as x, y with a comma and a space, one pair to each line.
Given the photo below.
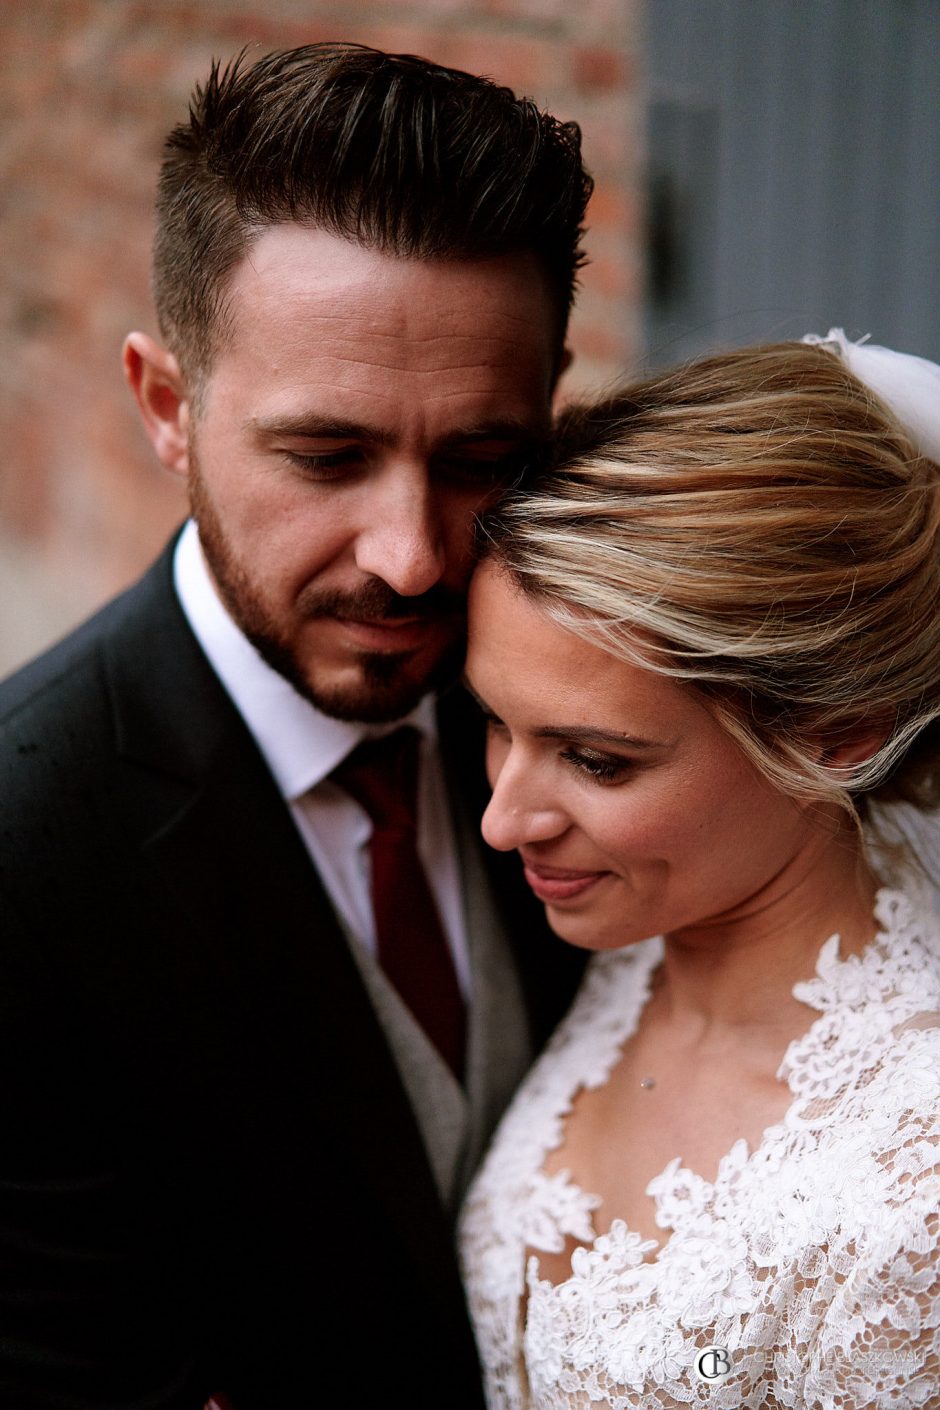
812, 1257
882, 979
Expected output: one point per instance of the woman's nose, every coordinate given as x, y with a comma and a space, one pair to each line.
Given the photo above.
520, 811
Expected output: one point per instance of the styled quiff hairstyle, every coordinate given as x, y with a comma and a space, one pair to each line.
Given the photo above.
759, 525
388, 150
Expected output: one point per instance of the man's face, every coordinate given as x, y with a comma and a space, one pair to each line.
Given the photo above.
361, 410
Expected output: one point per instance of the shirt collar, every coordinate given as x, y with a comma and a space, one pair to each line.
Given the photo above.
300, 744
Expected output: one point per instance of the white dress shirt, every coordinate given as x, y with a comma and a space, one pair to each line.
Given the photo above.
302, 746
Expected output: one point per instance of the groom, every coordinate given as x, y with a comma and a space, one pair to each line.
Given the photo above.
262, 994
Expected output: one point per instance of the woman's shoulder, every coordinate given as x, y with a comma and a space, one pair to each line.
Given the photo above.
895, 978
866, 1074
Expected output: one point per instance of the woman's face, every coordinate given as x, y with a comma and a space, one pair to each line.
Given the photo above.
635, 813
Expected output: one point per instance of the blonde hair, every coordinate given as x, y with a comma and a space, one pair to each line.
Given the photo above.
757, 524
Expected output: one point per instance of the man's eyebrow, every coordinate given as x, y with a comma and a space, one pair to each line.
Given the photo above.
581, 735
504, 430
329, 428
324, 428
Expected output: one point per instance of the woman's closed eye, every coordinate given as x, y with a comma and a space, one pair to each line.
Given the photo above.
596, 765
602, 768
590, 763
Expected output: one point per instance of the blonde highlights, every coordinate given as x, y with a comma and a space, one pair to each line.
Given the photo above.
758, 524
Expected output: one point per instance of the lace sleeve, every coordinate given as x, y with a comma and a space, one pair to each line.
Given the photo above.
880, 1344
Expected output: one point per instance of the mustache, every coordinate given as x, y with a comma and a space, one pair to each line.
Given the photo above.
375, 601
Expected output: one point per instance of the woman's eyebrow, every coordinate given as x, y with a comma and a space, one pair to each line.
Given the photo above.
582, 734
587, 733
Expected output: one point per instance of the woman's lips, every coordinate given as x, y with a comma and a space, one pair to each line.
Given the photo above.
559, 883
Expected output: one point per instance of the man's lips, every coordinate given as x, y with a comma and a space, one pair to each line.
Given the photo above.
558, 883
388, 633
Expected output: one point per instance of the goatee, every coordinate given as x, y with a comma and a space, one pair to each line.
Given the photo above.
386, 690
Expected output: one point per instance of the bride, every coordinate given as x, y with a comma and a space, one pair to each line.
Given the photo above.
708, 647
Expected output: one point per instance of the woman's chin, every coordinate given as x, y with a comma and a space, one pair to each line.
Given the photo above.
590, 933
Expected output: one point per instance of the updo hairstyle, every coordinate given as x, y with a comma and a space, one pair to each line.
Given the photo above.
758, 524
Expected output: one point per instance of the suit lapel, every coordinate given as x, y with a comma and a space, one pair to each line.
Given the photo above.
265, 973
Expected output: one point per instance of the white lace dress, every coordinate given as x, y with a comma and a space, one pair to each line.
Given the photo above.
813, 1259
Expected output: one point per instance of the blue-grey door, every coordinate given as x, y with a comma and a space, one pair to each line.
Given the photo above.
794, 172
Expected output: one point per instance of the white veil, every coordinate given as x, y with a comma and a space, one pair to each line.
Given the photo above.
908, 385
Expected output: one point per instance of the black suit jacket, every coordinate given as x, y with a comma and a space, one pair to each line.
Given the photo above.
210, 1176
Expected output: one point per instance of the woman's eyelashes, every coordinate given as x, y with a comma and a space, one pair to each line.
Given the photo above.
602, 768
597, 765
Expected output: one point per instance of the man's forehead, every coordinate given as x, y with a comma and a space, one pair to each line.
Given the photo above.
323, 271
316, 310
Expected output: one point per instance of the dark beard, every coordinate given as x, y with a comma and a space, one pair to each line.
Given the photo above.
383, 695
386, 691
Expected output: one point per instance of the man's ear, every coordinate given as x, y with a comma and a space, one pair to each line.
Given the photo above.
154, 377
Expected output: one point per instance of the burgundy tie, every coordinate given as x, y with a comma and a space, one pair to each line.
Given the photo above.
382, 776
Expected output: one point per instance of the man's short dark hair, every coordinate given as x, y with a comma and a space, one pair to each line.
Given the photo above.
391, 151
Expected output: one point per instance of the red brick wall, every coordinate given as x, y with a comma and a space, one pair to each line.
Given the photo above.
90, 87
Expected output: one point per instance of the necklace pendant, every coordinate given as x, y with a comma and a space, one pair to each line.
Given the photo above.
648, 1083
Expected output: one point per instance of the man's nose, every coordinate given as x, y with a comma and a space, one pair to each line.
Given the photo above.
521, 812
403, 540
